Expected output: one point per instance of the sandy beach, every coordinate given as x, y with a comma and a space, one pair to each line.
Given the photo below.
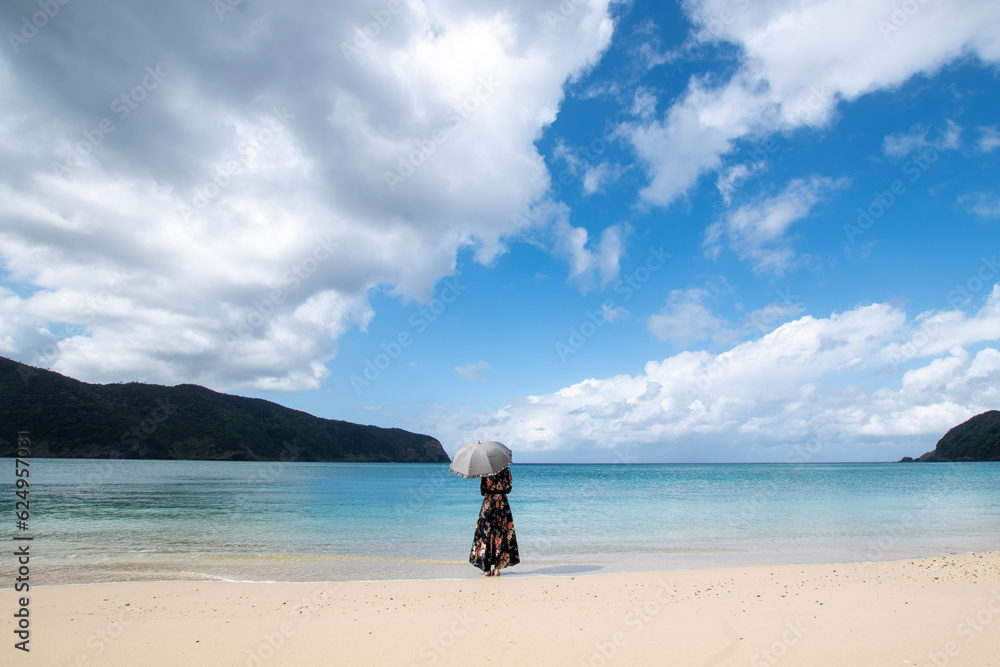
935, 611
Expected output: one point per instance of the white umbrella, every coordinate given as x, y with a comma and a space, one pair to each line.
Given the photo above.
480, 459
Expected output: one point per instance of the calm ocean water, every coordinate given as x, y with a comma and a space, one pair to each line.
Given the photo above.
151, 520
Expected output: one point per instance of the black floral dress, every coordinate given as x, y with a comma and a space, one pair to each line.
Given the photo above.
495, 543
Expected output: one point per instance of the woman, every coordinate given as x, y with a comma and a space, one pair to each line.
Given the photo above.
495, 544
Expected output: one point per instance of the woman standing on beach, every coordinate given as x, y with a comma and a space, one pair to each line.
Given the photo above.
495, 543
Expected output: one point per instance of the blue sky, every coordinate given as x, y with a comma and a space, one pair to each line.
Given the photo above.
717, 230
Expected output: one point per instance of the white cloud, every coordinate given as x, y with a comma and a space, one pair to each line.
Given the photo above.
597, 176
643, 103
989, 139
766, 319
594, 176
685, 318
613, 313
730, 179
902, 144
981, 204
934, 333
798, 61
757, 231
473, 372
315, 165
590, 268
798, 383
950, 137
694, 135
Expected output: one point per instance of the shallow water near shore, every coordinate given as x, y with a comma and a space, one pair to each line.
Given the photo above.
116, 520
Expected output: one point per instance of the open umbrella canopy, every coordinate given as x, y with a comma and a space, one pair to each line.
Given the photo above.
480, 459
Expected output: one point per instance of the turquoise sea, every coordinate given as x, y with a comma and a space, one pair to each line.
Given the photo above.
117, 520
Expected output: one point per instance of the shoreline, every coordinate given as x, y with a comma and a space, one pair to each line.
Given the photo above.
929, 611
458, 569
520, 574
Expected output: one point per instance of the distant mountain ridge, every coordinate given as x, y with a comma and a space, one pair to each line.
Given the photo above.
72, 419
977, 439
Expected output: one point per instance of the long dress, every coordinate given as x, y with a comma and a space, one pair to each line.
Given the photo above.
495, 543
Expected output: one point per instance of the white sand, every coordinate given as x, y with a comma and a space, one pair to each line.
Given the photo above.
937, 611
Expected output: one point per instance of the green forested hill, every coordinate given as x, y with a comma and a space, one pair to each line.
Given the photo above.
73, 419
975, 440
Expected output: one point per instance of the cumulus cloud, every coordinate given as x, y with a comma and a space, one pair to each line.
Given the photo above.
686, 318
473, 372
590, 266
255, 174
798, 61
981, 204
596, 177
989, 139
694, 135
731, 178
613, 313
763, 320
800, 382
902, 144
643, 103
757, 231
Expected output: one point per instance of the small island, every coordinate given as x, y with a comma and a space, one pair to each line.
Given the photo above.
977, 439
71, 419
